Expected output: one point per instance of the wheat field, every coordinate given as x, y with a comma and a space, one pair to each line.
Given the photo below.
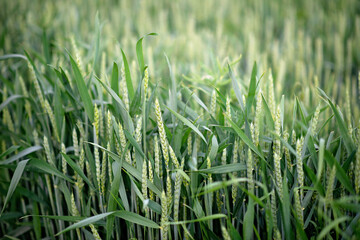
180, 119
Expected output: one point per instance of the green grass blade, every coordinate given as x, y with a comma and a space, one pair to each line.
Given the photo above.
21, 154
9, 56
349, 144
249, 220
245, 138
236, 88
83, 90
139, 52
331, 225
9, 100
85, 222
187, 123
206, 218
9, 151
14, 182
115, 79
228, 168
136, 218
46, 167
252, 90
128, 76
112, 201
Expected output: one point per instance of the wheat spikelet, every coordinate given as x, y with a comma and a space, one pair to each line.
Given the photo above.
299, 165
151, 179
52, 119
234, 187
164, 217
146, 83
124, 89
173, 157
213, 104
277, 158
225, 233
163, 139
37, 86
298, 208
249, 169
63, 161
95, 232
75, 142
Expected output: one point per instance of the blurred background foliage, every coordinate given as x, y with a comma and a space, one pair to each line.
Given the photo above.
298, 40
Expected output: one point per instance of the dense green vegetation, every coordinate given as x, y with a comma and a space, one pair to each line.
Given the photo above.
236, 120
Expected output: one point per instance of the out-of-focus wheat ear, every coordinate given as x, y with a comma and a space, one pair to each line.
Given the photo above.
101, 123
277, 156
26, 94
249, 169
124, 89
36, 137
330, 185
110, 172
228, 109
277, 234
177, 189
189, 145
164, 217
225, 233
75, 212
108, 126
234, 187
315, 119
103, 170
37, 86
123, 143
151, 179
223, 162
286, 150
80, 181
293, 137
78, 58
63, 161
169, 194
299, 211
219, 203
157, 157
213, 104
96, 122
144, 188
299, 165
95, 232
137, 136
48, 152
208, 162
273, 207
52, 119
75, 143
146, 83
